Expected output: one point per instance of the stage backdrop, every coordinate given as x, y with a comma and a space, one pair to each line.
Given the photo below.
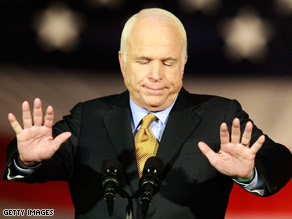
268, 100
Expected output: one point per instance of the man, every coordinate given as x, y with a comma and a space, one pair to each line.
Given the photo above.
200, 140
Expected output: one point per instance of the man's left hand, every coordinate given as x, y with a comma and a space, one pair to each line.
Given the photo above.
235, 158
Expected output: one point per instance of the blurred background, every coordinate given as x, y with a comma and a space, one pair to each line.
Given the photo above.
67, 51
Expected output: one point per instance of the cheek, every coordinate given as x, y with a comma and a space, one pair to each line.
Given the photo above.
174, 77
131, 78
136, 74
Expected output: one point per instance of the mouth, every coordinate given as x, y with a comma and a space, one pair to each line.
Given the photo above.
154, 90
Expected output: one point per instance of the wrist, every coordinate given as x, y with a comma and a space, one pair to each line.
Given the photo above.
17, 170
24, 164
246, 180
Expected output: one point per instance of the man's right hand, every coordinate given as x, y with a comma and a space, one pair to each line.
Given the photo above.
35, 142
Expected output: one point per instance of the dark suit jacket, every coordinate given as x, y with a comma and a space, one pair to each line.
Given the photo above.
191, 187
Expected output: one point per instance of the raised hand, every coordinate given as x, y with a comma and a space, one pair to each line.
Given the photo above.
235, 158
35, 142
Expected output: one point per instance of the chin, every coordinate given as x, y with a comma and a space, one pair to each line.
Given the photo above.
156, 105
154, 100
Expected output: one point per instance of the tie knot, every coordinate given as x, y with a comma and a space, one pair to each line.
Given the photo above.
147, 120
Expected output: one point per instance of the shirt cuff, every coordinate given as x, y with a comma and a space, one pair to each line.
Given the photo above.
255, 186
15, 170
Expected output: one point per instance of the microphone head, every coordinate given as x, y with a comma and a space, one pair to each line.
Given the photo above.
112, 172
154, 163
152, 174
114, 163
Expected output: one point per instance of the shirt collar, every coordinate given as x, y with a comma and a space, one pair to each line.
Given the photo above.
138, 113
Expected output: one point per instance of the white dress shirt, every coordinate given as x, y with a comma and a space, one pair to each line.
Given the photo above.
157, 127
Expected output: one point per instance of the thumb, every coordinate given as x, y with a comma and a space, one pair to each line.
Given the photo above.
60, 139
206, 150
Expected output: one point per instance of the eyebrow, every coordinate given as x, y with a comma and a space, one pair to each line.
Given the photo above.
142, 58
170, 58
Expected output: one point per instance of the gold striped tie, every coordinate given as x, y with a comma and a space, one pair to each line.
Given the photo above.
145, 143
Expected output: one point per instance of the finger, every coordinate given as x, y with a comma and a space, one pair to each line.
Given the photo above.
235, 131
207, 151
224, 134
247, 134
258, 144
49, 117
14, 124
26, 115
37, 112
60, 139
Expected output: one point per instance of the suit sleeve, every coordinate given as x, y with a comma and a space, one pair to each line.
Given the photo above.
60, 166
273, 161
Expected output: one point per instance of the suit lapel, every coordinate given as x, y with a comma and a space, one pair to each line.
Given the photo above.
118, 126
182, 121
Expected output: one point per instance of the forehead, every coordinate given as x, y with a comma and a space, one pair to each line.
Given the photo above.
152, 36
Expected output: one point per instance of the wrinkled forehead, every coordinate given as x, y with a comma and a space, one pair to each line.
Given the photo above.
156, 17
150, 31
154, 22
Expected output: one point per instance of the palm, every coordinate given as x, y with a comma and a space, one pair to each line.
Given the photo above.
234, 159
35, 141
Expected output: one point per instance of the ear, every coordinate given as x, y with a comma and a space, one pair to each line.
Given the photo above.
122, 63
183, 66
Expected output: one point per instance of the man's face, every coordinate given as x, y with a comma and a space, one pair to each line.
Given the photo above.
154, 67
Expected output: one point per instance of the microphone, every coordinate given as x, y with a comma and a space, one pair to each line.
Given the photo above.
150, 182
111, 182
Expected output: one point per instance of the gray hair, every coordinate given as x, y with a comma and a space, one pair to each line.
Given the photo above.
163, 16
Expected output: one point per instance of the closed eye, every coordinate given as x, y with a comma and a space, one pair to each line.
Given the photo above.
169, 61
143, 60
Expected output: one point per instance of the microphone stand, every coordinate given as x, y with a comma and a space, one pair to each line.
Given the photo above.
129, 208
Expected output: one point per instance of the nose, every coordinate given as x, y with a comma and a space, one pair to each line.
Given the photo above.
156, 71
